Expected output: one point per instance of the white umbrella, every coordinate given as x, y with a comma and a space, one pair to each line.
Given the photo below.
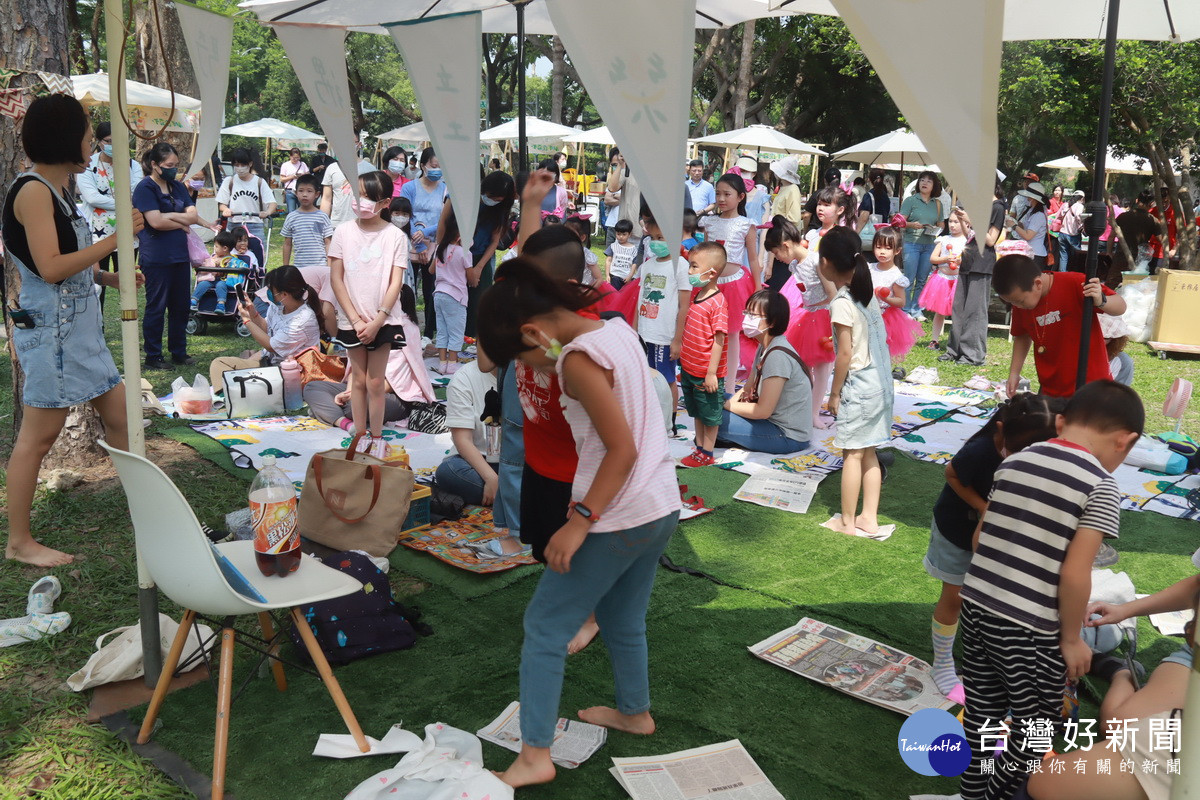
270, 128
761, 137
599, 135
409, 133
899, 145
534, 129
92, 90
1123, 165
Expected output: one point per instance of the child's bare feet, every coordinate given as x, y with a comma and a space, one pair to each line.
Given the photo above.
607, 717
867, 524
529, 769
582, 639
37, 554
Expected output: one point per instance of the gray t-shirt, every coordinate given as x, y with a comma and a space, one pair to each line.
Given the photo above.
793, 412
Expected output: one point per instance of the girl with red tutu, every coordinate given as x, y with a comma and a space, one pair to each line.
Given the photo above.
741, 278
938, 294
889, 283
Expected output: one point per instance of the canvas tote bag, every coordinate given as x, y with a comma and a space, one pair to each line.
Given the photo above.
353, 501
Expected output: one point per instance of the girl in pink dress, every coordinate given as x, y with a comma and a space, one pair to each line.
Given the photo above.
741, 278
889, 284
938, 294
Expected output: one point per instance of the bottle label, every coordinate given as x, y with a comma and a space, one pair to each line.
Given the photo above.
274, 526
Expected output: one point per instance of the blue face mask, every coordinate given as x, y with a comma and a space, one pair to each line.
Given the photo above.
488, 201
271, 298
395, 166
106, 149
433, 174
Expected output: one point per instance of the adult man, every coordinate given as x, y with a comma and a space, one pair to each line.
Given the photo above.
320, 161
703, 193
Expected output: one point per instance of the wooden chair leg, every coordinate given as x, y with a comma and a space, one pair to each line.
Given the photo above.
224, 700
335, 690
268, 632
164, 677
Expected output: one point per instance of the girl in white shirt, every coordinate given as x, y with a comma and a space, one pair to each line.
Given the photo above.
889, 283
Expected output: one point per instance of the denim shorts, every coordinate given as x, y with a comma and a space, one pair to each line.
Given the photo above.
945, 560
1181, 656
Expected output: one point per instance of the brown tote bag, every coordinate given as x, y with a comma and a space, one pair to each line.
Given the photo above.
353, 501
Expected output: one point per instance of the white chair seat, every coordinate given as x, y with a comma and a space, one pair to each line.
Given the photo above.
312, 581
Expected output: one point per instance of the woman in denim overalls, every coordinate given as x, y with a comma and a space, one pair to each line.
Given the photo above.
62, 352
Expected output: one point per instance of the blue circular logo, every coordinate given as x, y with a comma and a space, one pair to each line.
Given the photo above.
932, 742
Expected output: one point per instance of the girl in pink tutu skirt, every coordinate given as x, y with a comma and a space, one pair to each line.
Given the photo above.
938, 294
889, 283
741, 278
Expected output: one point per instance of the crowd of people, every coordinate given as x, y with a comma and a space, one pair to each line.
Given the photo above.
779, 316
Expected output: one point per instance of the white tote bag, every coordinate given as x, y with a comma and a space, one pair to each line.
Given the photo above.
254, 392
121, 658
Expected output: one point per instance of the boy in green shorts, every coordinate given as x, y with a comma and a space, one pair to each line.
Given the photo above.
702, 358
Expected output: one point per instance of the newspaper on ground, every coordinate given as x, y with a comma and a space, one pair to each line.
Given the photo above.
854, 664
789, 491
574, 741
1172, 623
723, 770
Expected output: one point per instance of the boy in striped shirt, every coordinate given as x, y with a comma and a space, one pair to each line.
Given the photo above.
702, 358
1030, 577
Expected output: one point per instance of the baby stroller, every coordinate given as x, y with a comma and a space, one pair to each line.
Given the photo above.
206, 309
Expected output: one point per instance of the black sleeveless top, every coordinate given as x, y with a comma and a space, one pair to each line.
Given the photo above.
15, 240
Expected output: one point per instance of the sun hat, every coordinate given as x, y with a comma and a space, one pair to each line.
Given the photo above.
1034, 191
1078, 193
746, 164
786, 169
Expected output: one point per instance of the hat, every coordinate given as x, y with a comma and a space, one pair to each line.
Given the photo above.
785, 169
1031, 176
1078, 193
1034, 191
746, 164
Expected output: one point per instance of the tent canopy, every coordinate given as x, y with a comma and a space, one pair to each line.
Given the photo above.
761, 137
1122, 165
599, 135
270, 128
92, 90
898, 145
416, 132
534, 129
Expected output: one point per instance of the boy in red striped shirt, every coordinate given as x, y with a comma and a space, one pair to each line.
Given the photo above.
702, 359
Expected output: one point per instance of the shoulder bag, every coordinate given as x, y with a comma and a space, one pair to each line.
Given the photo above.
253, 392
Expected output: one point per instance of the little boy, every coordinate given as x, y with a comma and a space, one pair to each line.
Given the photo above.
703, 354
1027, 588
1047, 315
663, 304
306, 234
689, 232
620, 255
220, 283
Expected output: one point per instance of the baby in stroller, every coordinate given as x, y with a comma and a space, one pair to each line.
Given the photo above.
220, 283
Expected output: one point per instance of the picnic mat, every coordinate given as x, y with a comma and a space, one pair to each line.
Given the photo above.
462, 542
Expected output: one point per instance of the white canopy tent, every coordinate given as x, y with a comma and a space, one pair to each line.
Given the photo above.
761, 137
599, 135
534, 129
270, 128
414, 133
1121, 165
148, 108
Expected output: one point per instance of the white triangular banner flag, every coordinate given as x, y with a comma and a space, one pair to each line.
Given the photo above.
444, 57
318, 54
209, 39
954, 111
641, 88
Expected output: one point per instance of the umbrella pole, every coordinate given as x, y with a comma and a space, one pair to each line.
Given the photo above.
130, 350
1097, 211
522, 141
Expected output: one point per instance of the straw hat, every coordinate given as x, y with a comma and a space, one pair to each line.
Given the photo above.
786, 169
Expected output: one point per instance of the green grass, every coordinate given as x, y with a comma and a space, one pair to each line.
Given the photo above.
706, 686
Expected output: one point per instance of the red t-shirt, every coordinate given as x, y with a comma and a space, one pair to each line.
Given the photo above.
1054, 326
549, 445
705, 318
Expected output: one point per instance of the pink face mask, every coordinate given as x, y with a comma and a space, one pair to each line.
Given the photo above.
364, 208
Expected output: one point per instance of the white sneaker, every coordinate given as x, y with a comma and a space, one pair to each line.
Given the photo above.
979, 383
380, 449
926, 376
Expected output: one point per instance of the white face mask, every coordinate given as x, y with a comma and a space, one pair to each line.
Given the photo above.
489, 201
395, 166
241, 169
399, 220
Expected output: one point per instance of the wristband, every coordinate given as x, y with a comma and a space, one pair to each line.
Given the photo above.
591, 516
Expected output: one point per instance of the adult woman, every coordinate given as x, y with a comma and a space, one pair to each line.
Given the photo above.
60, 342
497, 193
245, 198
773, 412
923, 211
427, 196
394, 161
289, 327
1056, 202
1031, 224
163, 255
96, 187
288, 172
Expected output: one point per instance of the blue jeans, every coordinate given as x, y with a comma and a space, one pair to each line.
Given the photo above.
458, 477
204, 287
1067, 244
916, 269
756, 435
612, 575
452, 316
506, 512
167, 296
289, 199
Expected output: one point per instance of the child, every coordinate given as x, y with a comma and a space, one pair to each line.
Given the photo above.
1026, 591
449, 268
592, 274
663, 304
705, 335
306, 234
624, 502
861, 396
206, 282
1024, 420
367, 259
620, 255
889, 283
938, 294
1047, 309
690, 239
742, 276
402, 219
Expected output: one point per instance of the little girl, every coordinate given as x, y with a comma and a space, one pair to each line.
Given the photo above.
741, 278
889, 284
938, 294
861, 396
592, 274
1018, 423
367, 260
449, 268
807, 292
604, 557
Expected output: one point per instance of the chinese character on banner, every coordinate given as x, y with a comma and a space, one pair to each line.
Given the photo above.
1173, 766
1033, 765
1150, 767
987, 766
993, 738
1103, 767
1058, 767
1165, 735
1127, 766
1122, 734
1075, 732
1080, 766
1039, 735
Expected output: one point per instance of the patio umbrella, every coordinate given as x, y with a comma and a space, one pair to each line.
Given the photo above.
599, 135
900, 145
270, 128
761, 137
534, 129
409, 133
1122, 165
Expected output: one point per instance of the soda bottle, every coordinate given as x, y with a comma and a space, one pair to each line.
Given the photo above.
273, 516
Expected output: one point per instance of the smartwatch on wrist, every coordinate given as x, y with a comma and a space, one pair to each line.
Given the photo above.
591, 516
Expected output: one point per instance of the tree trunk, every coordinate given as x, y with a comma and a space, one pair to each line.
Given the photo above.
741, 87
164, 62
558, 78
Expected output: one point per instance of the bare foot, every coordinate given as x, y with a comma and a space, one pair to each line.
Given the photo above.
528, 771
584, 637
607, 717
38, 555
867, 524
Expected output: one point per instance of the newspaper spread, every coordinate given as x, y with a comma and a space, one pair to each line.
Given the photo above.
789, 491
855, 665
574, 741
725, 770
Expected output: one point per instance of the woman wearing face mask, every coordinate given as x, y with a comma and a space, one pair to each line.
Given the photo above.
395, 162
96, 188
773, 412
163, 255
427, 196
288, 172
497, 193
245, 198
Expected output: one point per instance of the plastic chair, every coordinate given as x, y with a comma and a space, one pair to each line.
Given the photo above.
181, 561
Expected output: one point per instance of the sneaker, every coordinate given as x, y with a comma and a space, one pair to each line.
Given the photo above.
42, 595
184, 360
926, 376
216, 537
220, 309
899, 373
155, 363
1106, 556
697, 459
978, 383
380, 449
946, 357
934, 345
195, 305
